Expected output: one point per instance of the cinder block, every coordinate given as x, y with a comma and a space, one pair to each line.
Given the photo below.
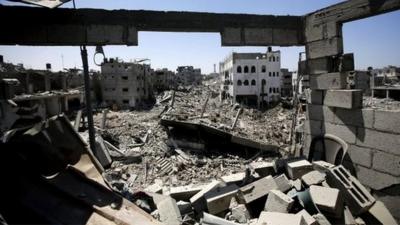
326, 47
327, 200
360, 155
356, 196
219, 198
209, 219
184, 193
328, 81
169, 212
313, 177
348, 217
184, 207
198, 201
234, 178
276, 218
346, 133
378, 140
314, 96
283, 183
321, 219
307, 217
379, 214
387, 120
277, 201
315, 30
313, 127
298, 168
320, 112
264, 168
322, 166
354, 117
375, 179
388, 163
297, 184
256, 190
349, 99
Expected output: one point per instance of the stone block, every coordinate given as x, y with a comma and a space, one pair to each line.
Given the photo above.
313, 178
326, 47
277, 201
349, 99
234, 178
356, 196
312, 127
169, 211
387, 163
322, 166
240, 214
314, 96
219, 198
386, 120
360, 155
328, 200
276, 218
256, 190
307, 217
283, 183
298, 168
328, 81
379, 214
198, 201
264, 168
184, 193
346, 133
354, 117
378, 140
319, 112
375, 179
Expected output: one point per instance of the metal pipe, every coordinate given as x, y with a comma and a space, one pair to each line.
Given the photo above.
88, 98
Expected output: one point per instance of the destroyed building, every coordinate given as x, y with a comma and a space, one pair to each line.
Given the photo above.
163, 80
188, 75
126, 84
192, 159
252, 78
286, 83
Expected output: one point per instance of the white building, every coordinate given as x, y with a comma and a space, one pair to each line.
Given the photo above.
251, 78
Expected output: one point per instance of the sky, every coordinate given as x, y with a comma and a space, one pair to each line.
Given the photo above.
375, 41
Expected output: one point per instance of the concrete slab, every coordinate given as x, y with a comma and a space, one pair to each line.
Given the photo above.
313, 177
184, 193
198, 201
218, 199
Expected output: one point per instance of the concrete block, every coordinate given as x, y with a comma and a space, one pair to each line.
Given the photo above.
356, 196
258, 36
386, 120
264, 168
360, 155
354, 117
378, 140
277, 201
348, 217
320, 112
328, 200
234, 178
314, 96
297, 184
346, 133
184, 193
360, 221
312, 127
328, 64
375, 179
328, 81
387, 163
313, 177
298, 168
155, 188
101, 152
231, 36
285, 36
184, 207
321, 219
209, 219
391, 201
219, 198
349, 99
276, 218
256, 190
198, 201
379, 214
169, 212
322, 166
326, 47
240, 214
307, 217
315, 30
283, 183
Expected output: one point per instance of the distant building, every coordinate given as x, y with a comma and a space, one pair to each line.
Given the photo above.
188, 75
286, 85
126, 85
251, 78
163, 79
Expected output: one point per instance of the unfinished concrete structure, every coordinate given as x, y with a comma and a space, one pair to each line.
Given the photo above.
251, 78
163, 79
286, 83
372, 134
188, 75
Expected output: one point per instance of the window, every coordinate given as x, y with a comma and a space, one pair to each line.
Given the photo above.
277, 74
125, 89
269, 74
270, 90
239, 83
263, 82
239, 69
246, 69
124, 77
253, 69
277, 58
246, 83
273, 74
126, 66
273, 58
125, 101
263, 69
253, 82
137, 89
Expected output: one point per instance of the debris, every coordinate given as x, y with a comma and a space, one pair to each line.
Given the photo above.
379, 214
236, 118
278, 202
240, 214
276, 218
298, 168
283, 183
256, 190
209, 219
312, 178
307, 217
101, 152
198, 201
219, 199
264, 168
328, 200
169, 212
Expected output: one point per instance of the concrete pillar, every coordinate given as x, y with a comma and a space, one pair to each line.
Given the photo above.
47, 84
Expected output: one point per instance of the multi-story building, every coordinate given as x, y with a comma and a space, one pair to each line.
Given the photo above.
188, 75
252, 78
126, 85
163, 79
286, 85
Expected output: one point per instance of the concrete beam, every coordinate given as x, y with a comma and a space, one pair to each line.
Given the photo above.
62, 26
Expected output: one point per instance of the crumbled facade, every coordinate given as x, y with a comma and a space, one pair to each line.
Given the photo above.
163, 79
286, 85
188, 75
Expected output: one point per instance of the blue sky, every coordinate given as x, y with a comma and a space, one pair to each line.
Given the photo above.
374, 41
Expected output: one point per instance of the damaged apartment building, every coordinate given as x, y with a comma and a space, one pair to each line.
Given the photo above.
192, 159
126, 84
252, 78
188, 75
163, 79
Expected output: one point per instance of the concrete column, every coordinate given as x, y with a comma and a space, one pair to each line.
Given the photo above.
47, 84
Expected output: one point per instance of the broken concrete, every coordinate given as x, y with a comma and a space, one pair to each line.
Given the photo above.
298, 168
219, 199
327, 200
256, 190
313, 177
278, 202
276, 218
